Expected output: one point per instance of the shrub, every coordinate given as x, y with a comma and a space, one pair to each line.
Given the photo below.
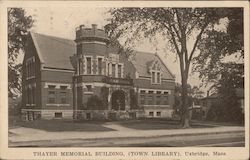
95, 103
133, 99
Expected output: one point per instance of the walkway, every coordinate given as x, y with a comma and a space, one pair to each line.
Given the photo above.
26, 134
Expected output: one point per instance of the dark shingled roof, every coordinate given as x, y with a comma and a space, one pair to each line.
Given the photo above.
56, 52
143, 60
53, 51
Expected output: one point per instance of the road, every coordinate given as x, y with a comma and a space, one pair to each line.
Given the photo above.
207, 140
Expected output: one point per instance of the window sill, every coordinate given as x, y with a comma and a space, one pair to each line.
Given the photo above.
155, 105
88, 92
54, 104
32, 77
30, 104
155, 83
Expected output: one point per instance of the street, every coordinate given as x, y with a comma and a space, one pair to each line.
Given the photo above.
206, 140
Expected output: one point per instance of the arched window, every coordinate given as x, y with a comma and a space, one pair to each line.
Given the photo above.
155, 70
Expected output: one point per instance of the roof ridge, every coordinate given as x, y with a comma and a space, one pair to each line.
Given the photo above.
59, 39
165, 66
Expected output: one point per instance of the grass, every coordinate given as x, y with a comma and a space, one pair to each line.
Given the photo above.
154, 124
60, 125
97, 126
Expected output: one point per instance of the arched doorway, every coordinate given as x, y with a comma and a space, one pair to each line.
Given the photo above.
118, 100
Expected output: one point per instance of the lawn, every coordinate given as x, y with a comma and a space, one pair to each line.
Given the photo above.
60, 125
155, 124
97, 126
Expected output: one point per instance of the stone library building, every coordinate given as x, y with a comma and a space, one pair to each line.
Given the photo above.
89, 78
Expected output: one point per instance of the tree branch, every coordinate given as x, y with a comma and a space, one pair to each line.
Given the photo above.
173, 38
197, 40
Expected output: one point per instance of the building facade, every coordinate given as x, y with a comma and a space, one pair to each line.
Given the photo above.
88, 78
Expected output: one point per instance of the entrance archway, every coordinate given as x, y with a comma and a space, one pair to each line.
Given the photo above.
118, 100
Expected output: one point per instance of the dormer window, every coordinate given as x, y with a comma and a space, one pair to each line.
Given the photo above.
155, 71
119, 71
113, 70
153, 77
158, 77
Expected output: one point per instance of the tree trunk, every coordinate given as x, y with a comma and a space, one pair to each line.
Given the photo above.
185, 110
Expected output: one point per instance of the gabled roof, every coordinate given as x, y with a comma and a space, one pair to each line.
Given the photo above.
143, 60
53, 51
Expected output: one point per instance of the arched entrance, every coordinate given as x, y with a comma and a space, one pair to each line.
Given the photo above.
118, 100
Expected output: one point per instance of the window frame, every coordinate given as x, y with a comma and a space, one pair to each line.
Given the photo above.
158, 114
99, 65
113, 70
151, 114
63, 96
142, 99
49, 98
86, 65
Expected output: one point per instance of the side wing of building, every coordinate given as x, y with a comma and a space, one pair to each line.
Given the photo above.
47, 78
154, 84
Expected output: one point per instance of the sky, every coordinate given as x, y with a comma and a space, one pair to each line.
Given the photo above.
61, 22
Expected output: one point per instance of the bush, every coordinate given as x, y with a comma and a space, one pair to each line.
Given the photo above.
225, 110
104, 96
133, 99
95, 103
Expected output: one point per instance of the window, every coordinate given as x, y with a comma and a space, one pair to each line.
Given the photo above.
153, 77
166, 100
109, 70
89, 88
150, 92
113, 70
142, 99
151, 114
165, 92
51, 86
88, 116
30, 67
158, 114
63, 97
52, 97
142, 91
158, 92
88, 65
33, 95
158, 100
58, 114
158, 77
99, 66
150, 100
63, 87
119, 71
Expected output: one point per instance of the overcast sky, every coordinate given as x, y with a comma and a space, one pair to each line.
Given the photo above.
61, 22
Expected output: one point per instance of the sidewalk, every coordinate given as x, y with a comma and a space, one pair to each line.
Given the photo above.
26, 134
